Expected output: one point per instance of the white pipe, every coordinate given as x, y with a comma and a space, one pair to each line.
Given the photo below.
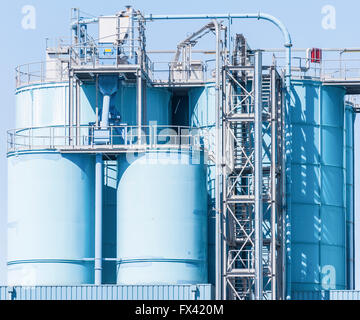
105, 112
218, 275
98, 218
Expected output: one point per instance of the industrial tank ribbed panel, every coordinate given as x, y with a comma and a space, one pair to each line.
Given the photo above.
162, 219
317, 187
50, 219
349, 161
202, 114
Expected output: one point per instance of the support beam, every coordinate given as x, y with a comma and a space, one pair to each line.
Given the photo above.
258, 177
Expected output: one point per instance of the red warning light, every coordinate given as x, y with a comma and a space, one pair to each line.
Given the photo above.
316, 55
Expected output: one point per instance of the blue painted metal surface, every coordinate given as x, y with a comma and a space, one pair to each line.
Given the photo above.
349, 161
109, 292
50, 219
109, 222
162, 219
46, 105
317, 187
202, 114
326, 295
50, 198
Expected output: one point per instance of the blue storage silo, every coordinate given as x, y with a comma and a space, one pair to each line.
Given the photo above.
317, 189
50, 219
350, 226
50, 198
162, 218
156, 109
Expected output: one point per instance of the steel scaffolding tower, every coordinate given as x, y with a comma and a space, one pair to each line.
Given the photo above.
252, 214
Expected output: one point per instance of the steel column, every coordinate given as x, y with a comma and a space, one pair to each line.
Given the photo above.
273, 183
258, 177
218, 151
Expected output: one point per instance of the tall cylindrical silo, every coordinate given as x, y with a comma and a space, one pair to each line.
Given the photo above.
156, 109
50, 197
318, 241
162, 218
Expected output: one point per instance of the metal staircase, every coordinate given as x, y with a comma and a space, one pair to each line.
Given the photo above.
245, 237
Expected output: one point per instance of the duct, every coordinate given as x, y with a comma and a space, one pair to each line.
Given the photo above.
108, 85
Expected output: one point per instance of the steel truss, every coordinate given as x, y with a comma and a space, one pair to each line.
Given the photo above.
252, 185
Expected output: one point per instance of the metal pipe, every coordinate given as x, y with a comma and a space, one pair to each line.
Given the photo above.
105, 112
71, 106
78, 112
258, 16
224, 138
273, 183
98, 218
139, 104
218, 269
258, 176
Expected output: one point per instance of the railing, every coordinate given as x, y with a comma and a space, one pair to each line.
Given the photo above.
97, 55
165, 71
40, 72
120, 137
333, 66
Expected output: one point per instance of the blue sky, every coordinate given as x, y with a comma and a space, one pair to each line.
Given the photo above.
303, 19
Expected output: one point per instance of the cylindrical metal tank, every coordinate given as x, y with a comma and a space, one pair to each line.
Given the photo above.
50, 219
318, 257
349, 161
156, 109
50, 197
162, 218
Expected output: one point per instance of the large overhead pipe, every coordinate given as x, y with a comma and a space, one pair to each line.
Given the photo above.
258, 16
229, 16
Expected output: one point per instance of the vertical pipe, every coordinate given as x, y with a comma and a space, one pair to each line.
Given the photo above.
98, 218
273, 184
139, 103
225, 138
218, 238
77, 112
96, 100
258, 176
71, 106
105, 111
